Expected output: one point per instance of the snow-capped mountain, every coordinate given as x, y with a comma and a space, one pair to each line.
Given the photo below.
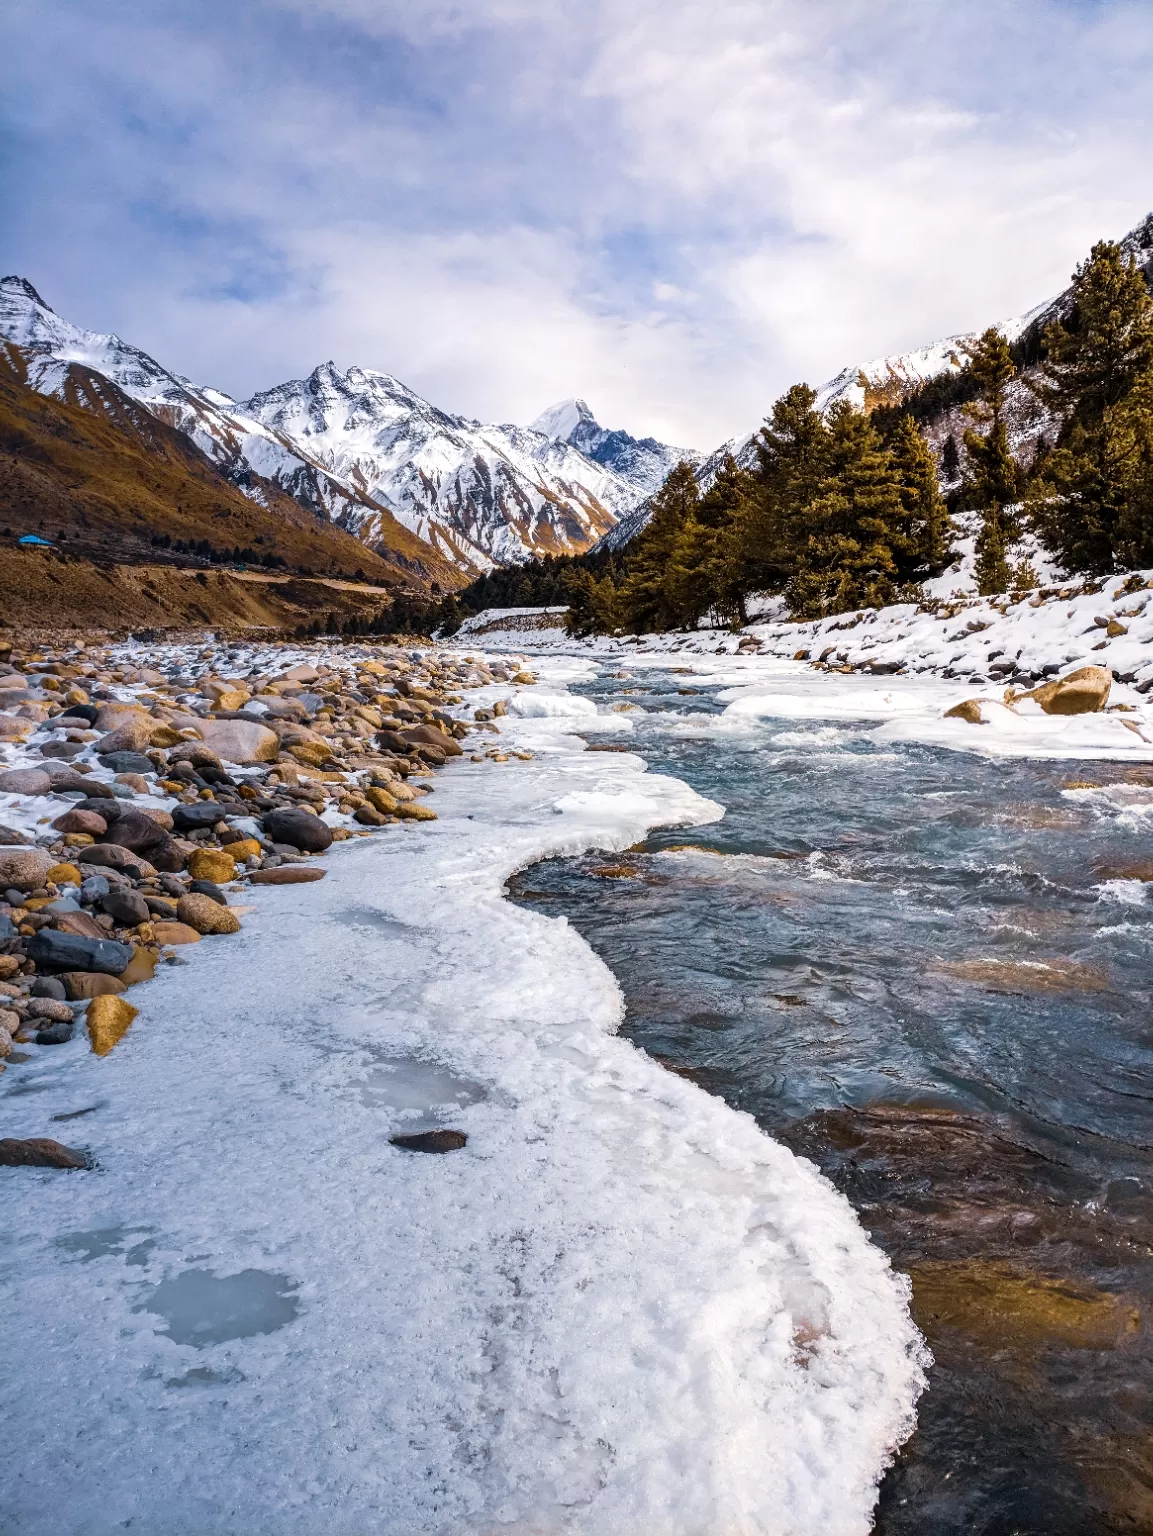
364, 450
641, 464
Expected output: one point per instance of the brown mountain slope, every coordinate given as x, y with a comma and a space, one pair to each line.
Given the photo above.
102, 477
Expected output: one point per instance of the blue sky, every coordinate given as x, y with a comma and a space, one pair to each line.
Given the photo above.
674, 209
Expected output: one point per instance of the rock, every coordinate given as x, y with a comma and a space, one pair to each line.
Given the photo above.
56, 951
11, 838
133, 830
312, 754
433, 736
64, 750
412, 810
14, 727
49, 986
113, 713
133, 736
369, 816
81, 821
56, 1034
244, 848
216, 864
380, 799
10, 964
39, 1152
64, 874
196, 754
431, 1141
240, 741
94, 888
128, 762
79, 985
50, 1008
205, 915
128, 908
80, 925
25, 781
142, 966
303, 672
287, 874
108, 1019
969, 709
24, 869
175, 933
392, 741
195, 818
1083, 692
208, 888
112, 856
300, 829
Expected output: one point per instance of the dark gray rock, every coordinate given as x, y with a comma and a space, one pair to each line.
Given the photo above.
298, 829
55, 951
127, 762
11, 838
65, 750
94, 888
126, 907
56, 1034
48, 986
196, 818
208, 888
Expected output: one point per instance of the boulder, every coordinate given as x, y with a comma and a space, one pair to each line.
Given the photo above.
128, 762
77, 820
433, 736
112, 856
142, 967
128, 908
80, 924
113, 713
108, 1020
39, 1152
968, 709
299, 829
244, 848
24, 869
196, 817
205, 915
132, 736
1083, 692
216, 864
56, 951
11, 838
81, 985
175, 933
25, 781
240, 741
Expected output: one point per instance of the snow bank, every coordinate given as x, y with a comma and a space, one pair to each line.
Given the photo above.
621, 1308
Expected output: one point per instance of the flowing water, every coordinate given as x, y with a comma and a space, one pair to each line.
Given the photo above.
929, 973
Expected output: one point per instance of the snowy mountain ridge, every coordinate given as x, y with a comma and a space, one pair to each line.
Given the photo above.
362, 448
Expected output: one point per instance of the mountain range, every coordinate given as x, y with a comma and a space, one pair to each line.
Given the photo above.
365, 452
353, 470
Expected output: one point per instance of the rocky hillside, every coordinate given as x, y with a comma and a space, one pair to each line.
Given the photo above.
93, 471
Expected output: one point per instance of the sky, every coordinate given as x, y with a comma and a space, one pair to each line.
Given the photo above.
671, 208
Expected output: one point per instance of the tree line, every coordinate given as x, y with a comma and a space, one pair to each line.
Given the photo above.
843, 509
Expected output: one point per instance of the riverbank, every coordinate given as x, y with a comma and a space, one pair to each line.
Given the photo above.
617, 1306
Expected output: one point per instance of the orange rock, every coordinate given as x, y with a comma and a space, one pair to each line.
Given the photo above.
175, 933
213, 864
108, 1021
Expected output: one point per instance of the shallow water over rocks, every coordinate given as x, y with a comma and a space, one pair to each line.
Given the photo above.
929, 973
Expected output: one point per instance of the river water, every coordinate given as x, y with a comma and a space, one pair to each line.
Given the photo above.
928, 972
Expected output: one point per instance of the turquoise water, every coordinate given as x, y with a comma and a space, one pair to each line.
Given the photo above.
925, 971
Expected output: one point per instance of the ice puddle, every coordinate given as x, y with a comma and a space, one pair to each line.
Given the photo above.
620, 1309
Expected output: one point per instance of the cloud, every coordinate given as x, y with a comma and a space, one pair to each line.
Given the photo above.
671, 209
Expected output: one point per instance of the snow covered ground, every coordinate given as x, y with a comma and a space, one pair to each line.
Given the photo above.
946, 651
621, 1308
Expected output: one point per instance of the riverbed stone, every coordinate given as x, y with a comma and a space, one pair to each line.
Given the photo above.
298, 828
39, 1152
108, 1019
77, 820
431, 1141
968, 710
142, 966
112, 856
175, 933
64, 874
128, 908
24, 869
25, 781
56, 951
79, 985
1083, 692
288, 874
216, 864
205, 915
240, 741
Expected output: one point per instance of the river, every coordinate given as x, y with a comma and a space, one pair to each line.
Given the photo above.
928, 972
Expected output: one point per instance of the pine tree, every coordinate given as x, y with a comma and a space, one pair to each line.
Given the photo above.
950, 460
993, 572
855, 523
648, 596
1090, 502
992, 477
791, 452
924, 550
702, 574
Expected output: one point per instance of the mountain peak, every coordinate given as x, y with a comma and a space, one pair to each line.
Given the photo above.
561, 420
16, 286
